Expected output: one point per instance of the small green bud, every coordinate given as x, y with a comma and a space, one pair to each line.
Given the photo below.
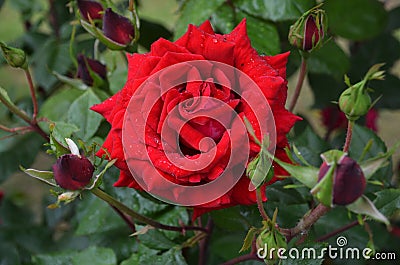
270, 241
355, 102
15, 57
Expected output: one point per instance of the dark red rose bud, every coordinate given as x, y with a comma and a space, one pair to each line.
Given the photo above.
348, 181
87, 65
307, 33
118, 28
1, 195
72, 172
90, 9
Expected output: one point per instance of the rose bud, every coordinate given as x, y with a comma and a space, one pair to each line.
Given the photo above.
73, 172
308, 32
118, 28
15, 57
355, 100
90, 70
270, 241
340, 179
90, 10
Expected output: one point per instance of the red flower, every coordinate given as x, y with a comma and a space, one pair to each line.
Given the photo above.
348, 181
118, 28
85, 65
90, 9
72, 172
199, 43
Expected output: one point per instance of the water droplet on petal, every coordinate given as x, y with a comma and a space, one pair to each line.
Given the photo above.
215, 40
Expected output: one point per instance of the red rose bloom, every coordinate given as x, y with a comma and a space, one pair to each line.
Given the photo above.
200, 43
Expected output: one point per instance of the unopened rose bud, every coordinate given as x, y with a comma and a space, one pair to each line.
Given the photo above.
345, 184
355, 102
88, 67
15, 57
308, 32
72, 172
90, 10
118, 28
271, 241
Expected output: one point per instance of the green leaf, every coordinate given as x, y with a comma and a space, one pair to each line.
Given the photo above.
229, 219
324, 188
55, 108
96, 181
275, 10
9, 254
356, 19
95, 216
249, 238
329, 59
45, 176
224, 19
310, 146
361, 136
195, 12
150, 32
149, 256
370, 166
4, 94
73, 82
62, 258
95, 255
326, 89
19, 150
364, 206
155, 239
50, 57
79, 113
263, 35
388, 201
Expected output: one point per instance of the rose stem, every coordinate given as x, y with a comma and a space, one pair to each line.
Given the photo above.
251, 256
20, 113
126, 219
260, 205
141, 218
306, 222
204, 243
349, 134
299, 85
337, 231
33, 94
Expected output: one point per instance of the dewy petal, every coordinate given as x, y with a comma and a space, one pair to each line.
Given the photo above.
90, 9
118, 28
